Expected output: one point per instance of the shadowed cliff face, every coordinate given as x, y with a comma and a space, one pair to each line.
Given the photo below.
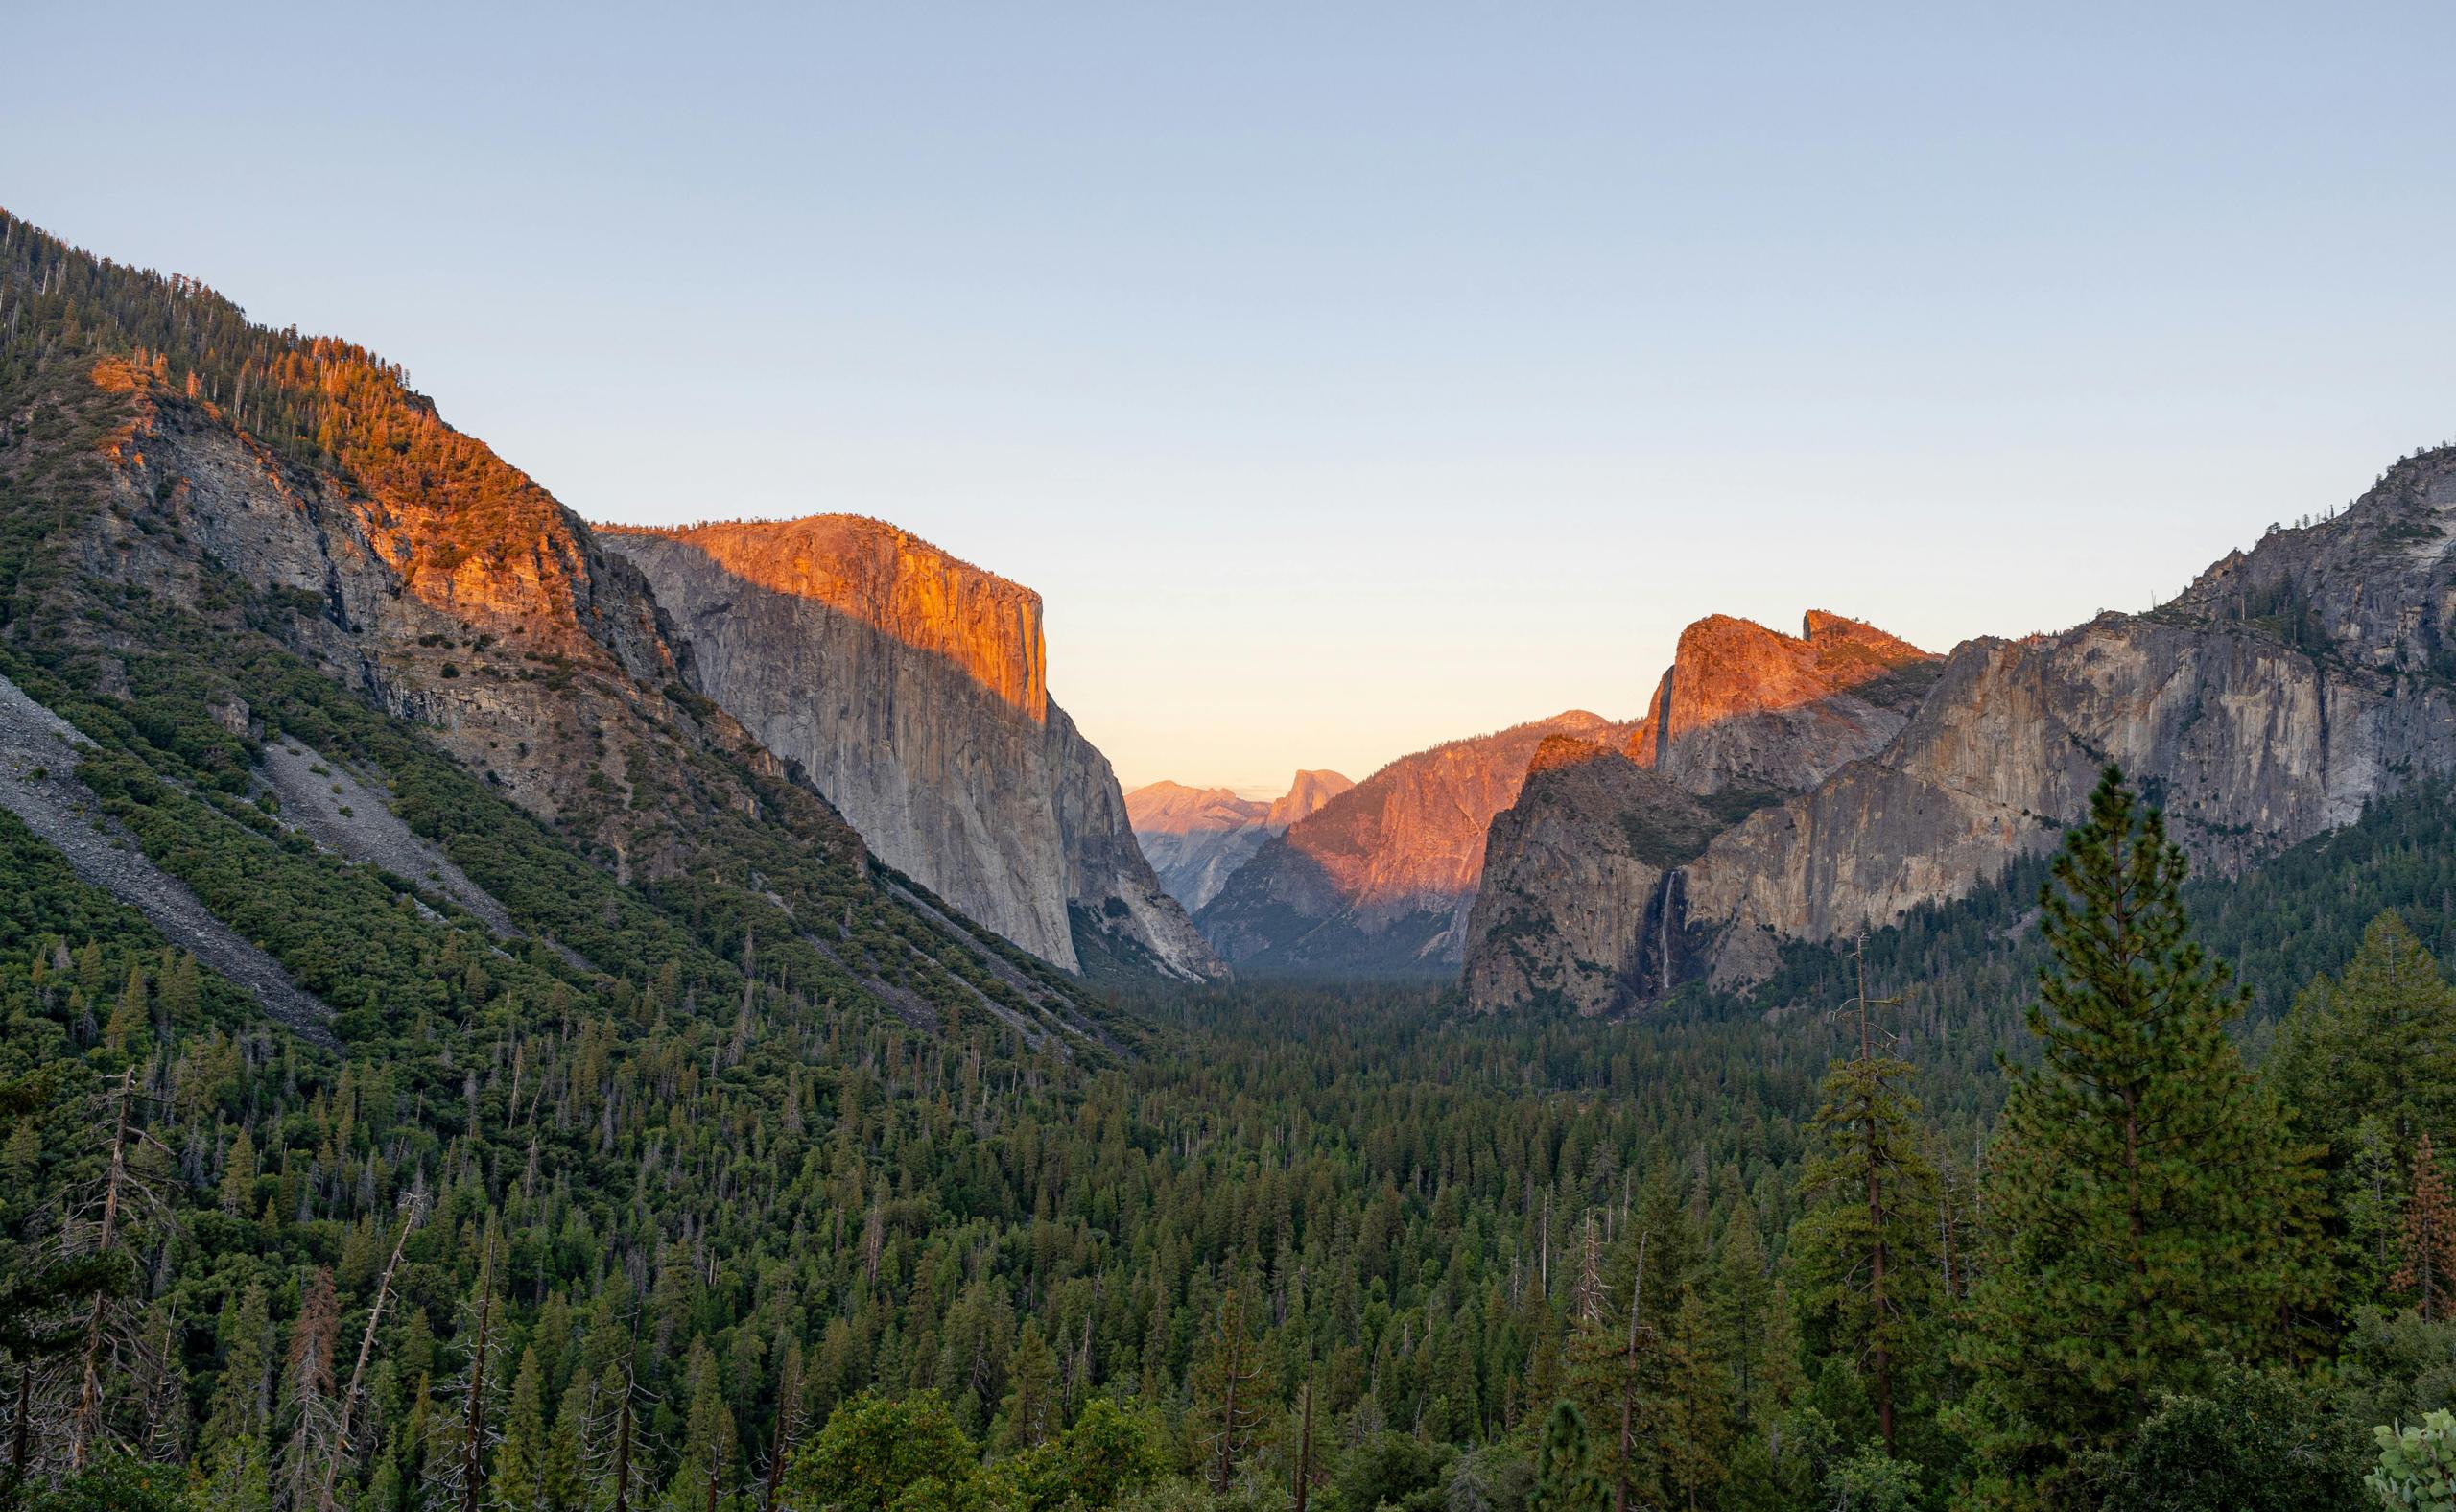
1582, 898
1381, 877
911, 689
2287, 688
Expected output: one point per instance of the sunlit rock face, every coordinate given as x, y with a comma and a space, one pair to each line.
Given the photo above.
911, 689
2288, 687
1582, 896
1380, 878
1197, 837
455, 591
1742, 706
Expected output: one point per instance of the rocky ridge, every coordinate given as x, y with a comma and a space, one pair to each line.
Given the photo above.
2288, 687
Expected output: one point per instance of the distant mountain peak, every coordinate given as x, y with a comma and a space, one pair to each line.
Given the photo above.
1308, 793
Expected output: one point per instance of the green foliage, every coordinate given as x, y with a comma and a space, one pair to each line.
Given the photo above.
876, 1452
1566, 1478
1870, 1481
2417, 1465
2252, 1441
1391, 1470
1865, 1253
2141, 1202
114, 1482
1108, 1453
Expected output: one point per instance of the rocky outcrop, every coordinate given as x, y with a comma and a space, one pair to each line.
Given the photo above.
1582, 898
1381, 877
1573, 881
911, 689
2287, 688
455, 592
1742, 706
1304, 796
1197, 837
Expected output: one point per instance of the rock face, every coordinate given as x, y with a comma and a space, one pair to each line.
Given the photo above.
912, 688
1742, 706
449, 588
1582, 891
1197, 837
2289, 686
1307, 794
1380, 878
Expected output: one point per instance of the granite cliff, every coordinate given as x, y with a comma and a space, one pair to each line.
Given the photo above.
1380, 878
1197, 837
911, 689
1584, 870
2288, 687
359, 696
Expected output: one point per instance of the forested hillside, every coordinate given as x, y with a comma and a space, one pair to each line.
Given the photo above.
749, 1179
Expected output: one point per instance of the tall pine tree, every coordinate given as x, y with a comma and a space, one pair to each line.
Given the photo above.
2141, 1205
1865, 1251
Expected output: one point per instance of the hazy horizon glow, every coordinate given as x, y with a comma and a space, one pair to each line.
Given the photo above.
1346, 379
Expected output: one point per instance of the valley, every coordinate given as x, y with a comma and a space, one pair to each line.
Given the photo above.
684, 1007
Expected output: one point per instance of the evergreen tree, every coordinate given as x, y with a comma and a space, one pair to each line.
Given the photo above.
1865, 1252
562, 1471
519, 1475
1697, 1421
2139, 1198
2428, 1271
1566, 1478
237, 1438
2378, 1039
1028, 1414
1233, 1390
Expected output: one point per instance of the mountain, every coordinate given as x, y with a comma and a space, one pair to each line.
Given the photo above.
1379, 878
365, 715
911, 689
1306, 794
2289, 687
1582, 870
1197, 837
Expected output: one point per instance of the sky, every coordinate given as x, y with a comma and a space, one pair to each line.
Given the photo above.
1347, 378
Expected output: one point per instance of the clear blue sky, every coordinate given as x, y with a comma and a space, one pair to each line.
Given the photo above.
1346, 377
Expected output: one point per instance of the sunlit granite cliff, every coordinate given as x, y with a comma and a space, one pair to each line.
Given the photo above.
912, 690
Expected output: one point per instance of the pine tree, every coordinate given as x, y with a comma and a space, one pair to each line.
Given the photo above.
2429, 1252
562, 1475
1697, 1406
1741, 1301
1232, 1390
237, 1438
309, 1403
1566, 1479
1028, 1414
2365, 1062
520, 1460
1865, 1250
2378, 1039
2139, 1197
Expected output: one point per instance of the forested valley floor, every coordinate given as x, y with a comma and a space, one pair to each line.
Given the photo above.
742, 1180
1303, 1244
